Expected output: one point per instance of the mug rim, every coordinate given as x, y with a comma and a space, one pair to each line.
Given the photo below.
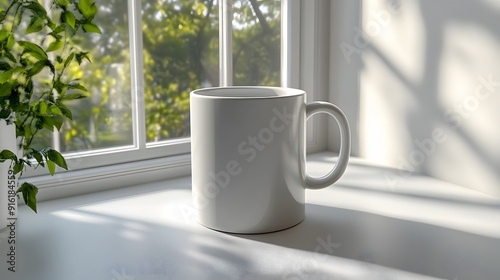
285, 91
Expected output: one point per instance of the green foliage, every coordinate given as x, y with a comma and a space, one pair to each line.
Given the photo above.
29, 192
36, 48
7, 155
256, 42
181, 52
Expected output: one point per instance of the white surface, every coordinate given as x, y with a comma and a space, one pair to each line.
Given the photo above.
419, 82
362, 228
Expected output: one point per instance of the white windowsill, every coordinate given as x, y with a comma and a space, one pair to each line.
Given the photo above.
361, 228
65, 184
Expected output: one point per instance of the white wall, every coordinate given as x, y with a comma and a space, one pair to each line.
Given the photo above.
420, 82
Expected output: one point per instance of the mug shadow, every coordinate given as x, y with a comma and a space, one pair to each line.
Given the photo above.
400, 244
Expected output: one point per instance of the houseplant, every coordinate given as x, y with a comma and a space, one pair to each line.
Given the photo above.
36, 48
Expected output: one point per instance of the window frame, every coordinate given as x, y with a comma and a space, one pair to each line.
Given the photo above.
143, 162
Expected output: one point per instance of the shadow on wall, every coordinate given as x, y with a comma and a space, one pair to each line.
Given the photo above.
429, 87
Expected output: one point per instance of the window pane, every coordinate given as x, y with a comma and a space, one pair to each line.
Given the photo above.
180, 39
105, 119
257, 42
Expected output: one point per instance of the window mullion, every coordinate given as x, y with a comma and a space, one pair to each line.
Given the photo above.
290, 43
137, 74
225, 43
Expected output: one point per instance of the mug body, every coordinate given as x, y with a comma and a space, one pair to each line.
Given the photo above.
248, 158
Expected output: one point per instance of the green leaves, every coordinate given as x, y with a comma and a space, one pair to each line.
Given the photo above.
90, 27
5, 91
55, 110
69, 59
5, 113
18, 164
37, 68
29, 192
36, 24
87, 8
63, 3
38, 157
7, 155
69, 92
54, 46
65, 111
35, 95
76, 85
49, 122
51, 166
38, 17
70, 19
4, 66
80, 56
5, 76
57, 158
10, 41
74, 96
48, 157
3, 34
36, 8
33, 49
51, 158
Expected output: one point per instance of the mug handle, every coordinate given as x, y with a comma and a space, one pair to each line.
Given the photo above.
345, 144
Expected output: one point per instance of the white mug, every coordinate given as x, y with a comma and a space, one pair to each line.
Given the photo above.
249, 159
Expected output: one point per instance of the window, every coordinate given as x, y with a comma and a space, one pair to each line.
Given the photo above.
144, 152
151, 55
